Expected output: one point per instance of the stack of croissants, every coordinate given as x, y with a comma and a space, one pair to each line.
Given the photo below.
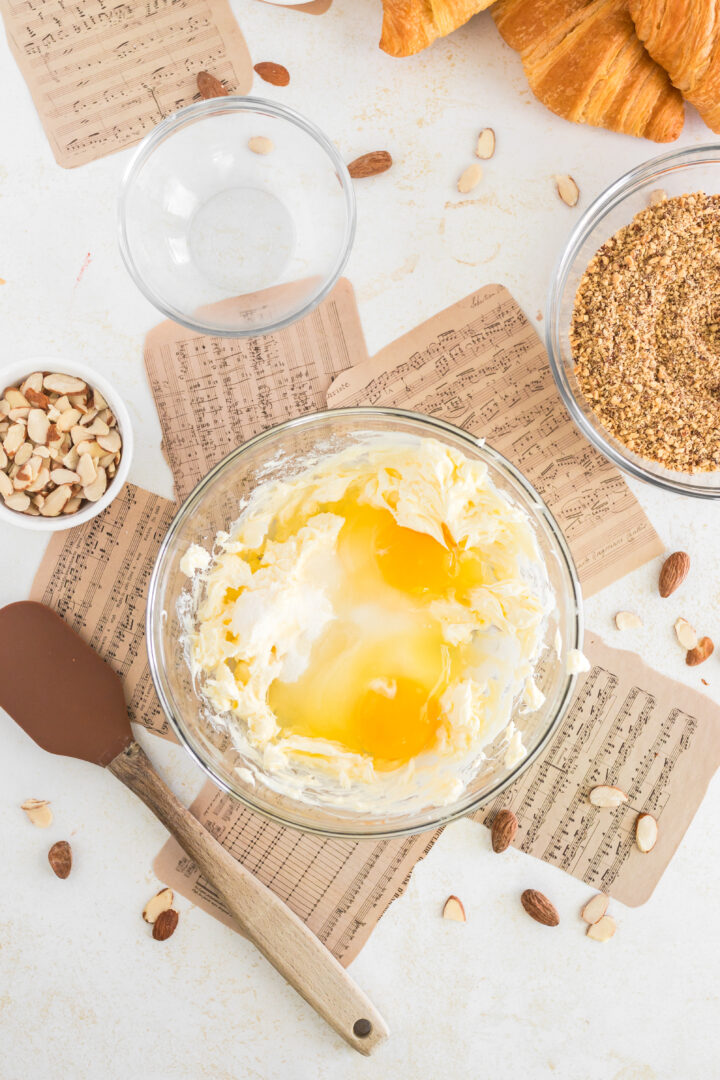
625, 65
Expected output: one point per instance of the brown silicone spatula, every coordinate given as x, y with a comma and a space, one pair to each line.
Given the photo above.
71, 702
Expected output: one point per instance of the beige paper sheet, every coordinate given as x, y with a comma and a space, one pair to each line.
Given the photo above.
480, 365
629, 726
214, 393
102, 76
340, 888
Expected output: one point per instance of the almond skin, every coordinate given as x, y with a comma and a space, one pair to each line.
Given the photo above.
673, 573
372, 164
503, 831
272, 73
164, 925
539, 908
60, 858
209, 86
702, 650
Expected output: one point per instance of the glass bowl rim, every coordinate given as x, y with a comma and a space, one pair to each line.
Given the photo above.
215, 107
444, 816
611, 197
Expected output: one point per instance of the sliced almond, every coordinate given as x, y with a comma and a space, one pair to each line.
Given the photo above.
37, 400
62, 404
110, 442
88, 417
23, 477
657, 196
14, 439
92, 448
78, 434
603, 929
41, 480
64, 476
15, 399
567, 189
470, 178
628, 620
260, 144
64, 384
23, 453
86, 469
700, 653
96, 489
19, 500
55, 438
646, 832
38, 426
35, 463
38, 811
161, 901
3, 459
20, 414
55, 501
97, 427
99, 401
33, 382
606, 795
41, 451
453, 909
73, 504
684, 632
595, 908
6, 485
486, 144
68, 419
71, 459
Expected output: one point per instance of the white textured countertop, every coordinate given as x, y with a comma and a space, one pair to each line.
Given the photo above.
84, 990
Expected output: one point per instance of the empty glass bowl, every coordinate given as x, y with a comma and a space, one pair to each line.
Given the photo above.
281, 453
677, 173
236, 216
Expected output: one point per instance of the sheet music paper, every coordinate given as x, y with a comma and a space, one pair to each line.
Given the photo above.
628, 726
97, 575
340, 888
214, 393
480, 365
103, 75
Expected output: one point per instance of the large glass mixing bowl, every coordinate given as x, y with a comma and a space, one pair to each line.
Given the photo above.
281, 453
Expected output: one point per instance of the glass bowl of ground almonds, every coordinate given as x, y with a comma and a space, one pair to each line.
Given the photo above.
634, 322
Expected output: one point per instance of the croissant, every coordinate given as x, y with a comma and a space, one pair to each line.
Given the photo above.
585, 62
411, 25
683, 36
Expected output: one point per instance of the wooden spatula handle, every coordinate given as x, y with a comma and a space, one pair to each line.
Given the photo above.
272, 927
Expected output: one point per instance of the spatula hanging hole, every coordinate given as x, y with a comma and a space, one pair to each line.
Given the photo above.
362, 1028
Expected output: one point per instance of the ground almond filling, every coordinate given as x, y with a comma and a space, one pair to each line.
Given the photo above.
365, 629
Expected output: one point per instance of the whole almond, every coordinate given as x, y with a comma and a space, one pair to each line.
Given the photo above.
595, 908
273, 73
539, 907
164, 925
646, 832
486, 144
503, 830
673, 573
700, 653
60, 858
372, 164
603, 929
454, 910
606, 795
567, 189
209, 86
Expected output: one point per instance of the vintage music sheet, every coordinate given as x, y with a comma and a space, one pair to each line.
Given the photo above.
214, 393
340, 888
102, 76
480, 365
629, 726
